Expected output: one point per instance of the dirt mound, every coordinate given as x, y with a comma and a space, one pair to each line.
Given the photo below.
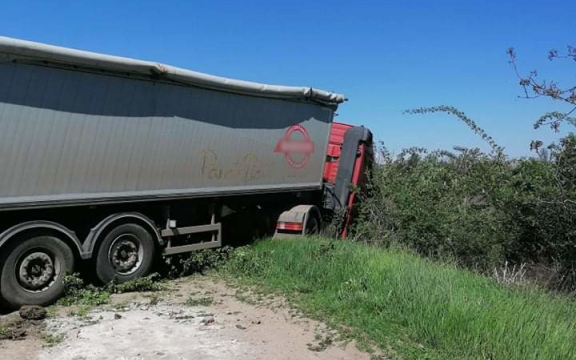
32, 312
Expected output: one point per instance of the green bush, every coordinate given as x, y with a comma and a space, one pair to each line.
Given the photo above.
478, 209
198, 261
76, 293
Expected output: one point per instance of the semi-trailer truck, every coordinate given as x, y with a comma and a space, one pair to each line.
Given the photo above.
111, 162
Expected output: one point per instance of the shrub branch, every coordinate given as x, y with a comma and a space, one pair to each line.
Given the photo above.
462, 117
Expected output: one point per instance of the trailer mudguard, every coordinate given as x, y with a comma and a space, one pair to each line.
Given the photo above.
68, 235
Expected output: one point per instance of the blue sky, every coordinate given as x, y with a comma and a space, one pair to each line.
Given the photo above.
386, 56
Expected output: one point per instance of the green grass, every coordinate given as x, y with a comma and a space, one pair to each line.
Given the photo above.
51, 340
87, 297
203, 301
411, 307
77, 294
144, 284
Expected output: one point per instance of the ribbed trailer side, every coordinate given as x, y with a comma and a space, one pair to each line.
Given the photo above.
70, 136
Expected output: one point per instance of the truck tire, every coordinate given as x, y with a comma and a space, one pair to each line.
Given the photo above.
312, 225
125, 253
33, 271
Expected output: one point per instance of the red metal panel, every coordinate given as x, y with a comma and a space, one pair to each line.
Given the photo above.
358, 179
337, 133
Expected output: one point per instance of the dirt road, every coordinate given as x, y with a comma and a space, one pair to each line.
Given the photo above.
197, 318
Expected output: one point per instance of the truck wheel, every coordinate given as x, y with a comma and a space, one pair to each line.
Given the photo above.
33, 271
312, 225
127, 252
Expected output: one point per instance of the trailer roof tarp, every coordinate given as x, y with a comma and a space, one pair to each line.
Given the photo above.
21, 50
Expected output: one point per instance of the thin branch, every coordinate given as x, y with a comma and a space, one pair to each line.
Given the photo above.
465, 119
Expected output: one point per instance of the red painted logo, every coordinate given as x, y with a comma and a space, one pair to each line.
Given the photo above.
296, 146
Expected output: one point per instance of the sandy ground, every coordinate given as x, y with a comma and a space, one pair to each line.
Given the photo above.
198, 318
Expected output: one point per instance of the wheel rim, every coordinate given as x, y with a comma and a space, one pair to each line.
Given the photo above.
37, 270
126, 254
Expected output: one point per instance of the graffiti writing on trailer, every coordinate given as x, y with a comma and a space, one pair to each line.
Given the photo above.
247, 167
